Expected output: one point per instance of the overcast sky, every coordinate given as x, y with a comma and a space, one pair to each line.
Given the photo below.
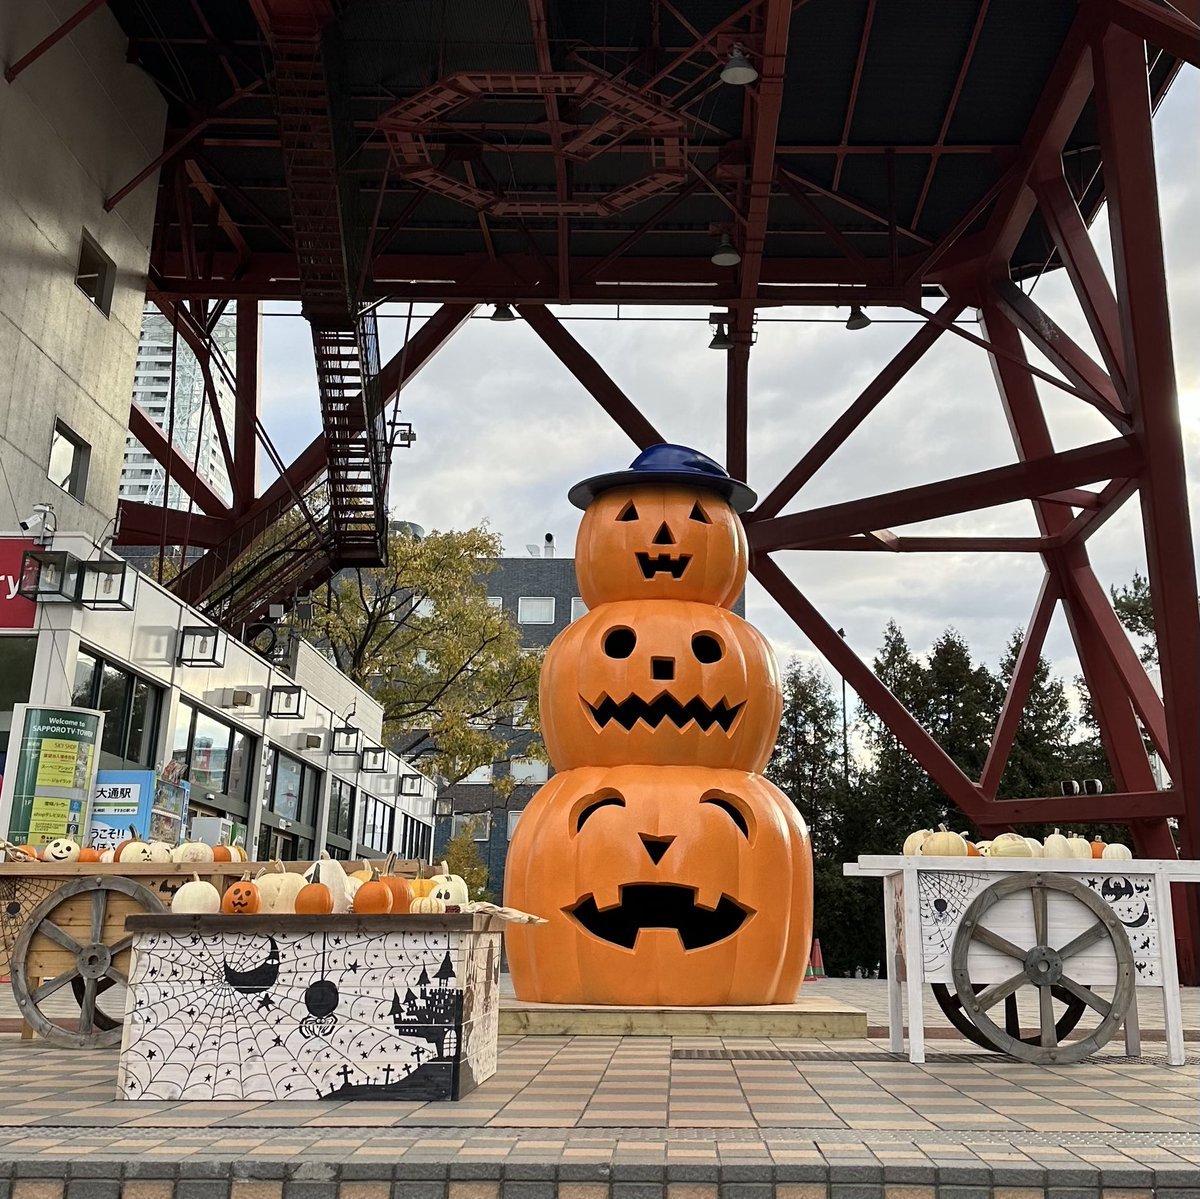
503, 430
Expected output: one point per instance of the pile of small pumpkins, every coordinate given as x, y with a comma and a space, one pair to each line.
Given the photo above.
943, 843
133, 850
324, 889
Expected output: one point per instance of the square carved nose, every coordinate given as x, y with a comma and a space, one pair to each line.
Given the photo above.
662, 668
656, 846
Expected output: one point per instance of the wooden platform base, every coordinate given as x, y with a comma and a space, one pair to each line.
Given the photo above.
812, 1015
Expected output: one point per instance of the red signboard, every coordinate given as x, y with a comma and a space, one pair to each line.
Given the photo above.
15, 611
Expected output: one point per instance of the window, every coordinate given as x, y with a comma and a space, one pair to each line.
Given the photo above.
480, 824
378, 825
513, 817
217, 757
424, 607
341, 809
287, 787
529, 770
481, 774
578, 607
69, 456
535, 609
96, 273
130, 705
496, 601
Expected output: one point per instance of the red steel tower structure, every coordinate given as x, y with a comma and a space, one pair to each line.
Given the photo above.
924, 156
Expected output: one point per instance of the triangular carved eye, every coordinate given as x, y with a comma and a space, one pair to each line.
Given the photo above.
629, 512
699, 514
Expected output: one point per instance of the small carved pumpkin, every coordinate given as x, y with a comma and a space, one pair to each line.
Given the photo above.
660, 541
241, 898
314, 899
450, 888
427, 905
159, 851
678, 885
663, 683
196, 898
61, 849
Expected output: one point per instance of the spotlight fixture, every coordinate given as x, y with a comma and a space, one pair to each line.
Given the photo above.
720, 338
738, 70
858, 318
726, 253
503, 313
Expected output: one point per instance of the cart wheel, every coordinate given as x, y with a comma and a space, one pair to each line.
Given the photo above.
1042, 966
95, 965
952, 1009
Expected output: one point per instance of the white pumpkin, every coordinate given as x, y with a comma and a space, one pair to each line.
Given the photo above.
196, 898
985, 848
1080, 847
329, 871
914, 841
238, 854
61, 849
278, 888
1009, 845
107, 855
135, 851
942, 844
159, 851
192, 851
1114, 850
1035, 847
1057, 846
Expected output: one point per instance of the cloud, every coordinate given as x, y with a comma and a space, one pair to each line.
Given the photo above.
503, 430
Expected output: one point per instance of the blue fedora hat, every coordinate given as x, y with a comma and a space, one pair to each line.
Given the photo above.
667, 463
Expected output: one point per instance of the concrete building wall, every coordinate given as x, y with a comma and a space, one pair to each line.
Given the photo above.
74, 127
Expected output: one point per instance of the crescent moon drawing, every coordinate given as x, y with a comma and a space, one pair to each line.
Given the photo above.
261, 978
1142, 918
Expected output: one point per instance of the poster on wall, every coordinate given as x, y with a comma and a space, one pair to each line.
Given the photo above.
16, 612
152, 804
51, 772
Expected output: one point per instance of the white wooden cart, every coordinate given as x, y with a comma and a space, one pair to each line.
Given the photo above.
981, 929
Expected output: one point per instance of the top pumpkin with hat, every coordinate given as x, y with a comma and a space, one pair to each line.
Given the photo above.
665, 528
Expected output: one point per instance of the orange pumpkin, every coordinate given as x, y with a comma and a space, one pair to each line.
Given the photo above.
400, 890
972, 849
222, 853
662, 683
673, 885
314, 899
656, 541
88, 854
1098, 847
241, 898
420, 886
374, 897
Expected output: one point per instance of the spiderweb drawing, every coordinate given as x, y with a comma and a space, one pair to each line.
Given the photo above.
943, 896
292, 1016
18, 898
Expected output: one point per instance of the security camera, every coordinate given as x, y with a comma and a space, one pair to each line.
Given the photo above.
43, 517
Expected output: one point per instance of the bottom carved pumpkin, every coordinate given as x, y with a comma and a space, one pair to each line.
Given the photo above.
663, 886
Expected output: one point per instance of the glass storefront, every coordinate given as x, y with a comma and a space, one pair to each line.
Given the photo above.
218, 758
288, 829
131, 708
340, 834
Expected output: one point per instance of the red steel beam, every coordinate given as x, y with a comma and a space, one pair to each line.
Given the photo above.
985, 489
1059, 347
940, 767
835, 235
51, 40
884, 541
873, 214
1115, 807
591, 375
178, 468
737, 387
245, 420
1018, 687
855, 83
151, 524
1124, 113
862, 407
1082, 264
1162, 25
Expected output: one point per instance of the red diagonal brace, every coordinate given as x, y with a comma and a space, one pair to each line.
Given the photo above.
178, 468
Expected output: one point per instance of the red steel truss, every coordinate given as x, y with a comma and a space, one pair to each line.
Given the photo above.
334, 164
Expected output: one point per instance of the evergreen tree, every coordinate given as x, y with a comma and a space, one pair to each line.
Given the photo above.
807, 762
1042, 751
1136, 612
962, 701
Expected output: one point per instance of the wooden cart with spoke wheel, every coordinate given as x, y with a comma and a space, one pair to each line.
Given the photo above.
1060, 947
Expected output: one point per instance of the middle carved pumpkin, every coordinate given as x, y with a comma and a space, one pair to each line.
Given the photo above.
665, 683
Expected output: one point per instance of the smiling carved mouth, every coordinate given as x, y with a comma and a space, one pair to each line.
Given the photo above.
660, 905
660, 563
629, 711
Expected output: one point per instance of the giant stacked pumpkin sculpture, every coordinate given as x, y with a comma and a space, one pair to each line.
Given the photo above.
670, 871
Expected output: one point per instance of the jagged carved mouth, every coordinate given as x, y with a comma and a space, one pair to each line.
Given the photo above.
653, 564
660, 905
666, 707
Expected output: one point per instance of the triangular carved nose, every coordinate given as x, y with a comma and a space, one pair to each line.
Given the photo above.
663, 536
656, 846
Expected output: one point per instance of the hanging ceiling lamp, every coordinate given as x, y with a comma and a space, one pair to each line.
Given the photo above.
738, 70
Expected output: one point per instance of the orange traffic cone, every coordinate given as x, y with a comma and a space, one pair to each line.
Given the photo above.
816, 967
